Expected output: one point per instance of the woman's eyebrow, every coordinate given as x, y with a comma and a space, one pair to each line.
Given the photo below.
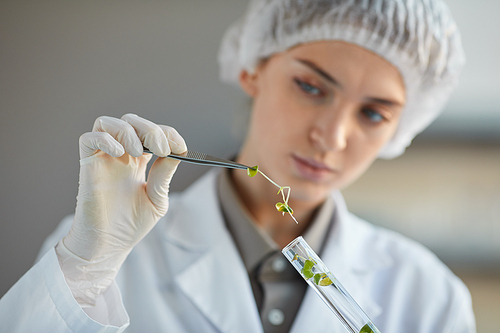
320, 71
388, 102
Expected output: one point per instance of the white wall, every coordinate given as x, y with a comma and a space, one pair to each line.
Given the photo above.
478, 91
474, 109
444, 195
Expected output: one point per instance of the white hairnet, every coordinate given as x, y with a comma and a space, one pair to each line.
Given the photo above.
419, 37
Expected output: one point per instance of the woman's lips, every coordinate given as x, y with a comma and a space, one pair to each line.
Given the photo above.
311, 169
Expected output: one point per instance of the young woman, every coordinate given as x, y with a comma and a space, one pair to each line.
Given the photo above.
334, 84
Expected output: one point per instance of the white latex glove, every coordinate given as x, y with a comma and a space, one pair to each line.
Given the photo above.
116, 207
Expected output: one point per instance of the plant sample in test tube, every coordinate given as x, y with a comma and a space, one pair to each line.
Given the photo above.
318, 276
329, 289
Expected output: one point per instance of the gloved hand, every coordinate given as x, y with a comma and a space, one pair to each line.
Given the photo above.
116, 207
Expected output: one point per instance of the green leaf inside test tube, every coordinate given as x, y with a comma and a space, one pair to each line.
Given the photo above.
307, 270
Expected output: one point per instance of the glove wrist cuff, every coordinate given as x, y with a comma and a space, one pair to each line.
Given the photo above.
88, 279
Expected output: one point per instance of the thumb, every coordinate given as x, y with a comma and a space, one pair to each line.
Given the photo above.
158, 182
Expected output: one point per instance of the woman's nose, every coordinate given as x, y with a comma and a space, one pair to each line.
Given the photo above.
331, 131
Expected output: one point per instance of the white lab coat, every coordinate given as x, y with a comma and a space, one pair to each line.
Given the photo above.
187, 276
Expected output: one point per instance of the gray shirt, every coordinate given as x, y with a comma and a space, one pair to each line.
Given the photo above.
278, 288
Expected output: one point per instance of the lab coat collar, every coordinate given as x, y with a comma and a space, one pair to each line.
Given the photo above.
356, 241
211, 273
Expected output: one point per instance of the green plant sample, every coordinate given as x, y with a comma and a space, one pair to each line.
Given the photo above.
311, 270
282, 207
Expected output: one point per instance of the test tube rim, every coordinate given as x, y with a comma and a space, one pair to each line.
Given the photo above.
292, 244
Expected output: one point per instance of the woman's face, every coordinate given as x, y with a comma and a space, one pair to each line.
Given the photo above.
321, 113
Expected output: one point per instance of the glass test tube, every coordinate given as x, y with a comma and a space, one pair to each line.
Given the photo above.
324, 283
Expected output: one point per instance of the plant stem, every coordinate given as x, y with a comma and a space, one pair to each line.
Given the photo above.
270, 180
281, 189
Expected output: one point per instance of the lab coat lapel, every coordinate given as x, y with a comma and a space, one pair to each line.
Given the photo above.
216, 280
218, 285
351, 268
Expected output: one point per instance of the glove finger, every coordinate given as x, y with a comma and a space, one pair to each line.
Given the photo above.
149, 133
158, 183
91, 142
175, 140
122, 131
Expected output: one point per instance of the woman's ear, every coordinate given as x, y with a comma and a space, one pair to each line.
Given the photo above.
248, 83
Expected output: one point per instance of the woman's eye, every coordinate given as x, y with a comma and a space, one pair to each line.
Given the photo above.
372, 115
308, 88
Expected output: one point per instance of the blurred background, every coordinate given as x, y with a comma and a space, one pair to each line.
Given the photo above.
64, 63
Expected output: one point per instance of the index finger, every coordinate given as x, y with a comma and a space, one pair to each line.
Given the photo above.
150, 134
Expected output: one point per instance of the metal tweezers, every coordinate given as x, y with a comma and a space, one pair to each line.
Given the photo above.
204, 159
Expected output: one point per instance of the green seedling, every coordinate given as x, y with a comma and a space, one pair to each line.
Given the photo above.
317, 277
325, 281
308, 271
282, 207
251, 172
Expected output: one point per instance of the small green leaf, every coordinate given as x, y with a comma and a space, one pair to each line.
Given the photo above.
251, 172
307, 274
307, 269
309, 264
325, 281
284, 208
321, 279
366, 329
